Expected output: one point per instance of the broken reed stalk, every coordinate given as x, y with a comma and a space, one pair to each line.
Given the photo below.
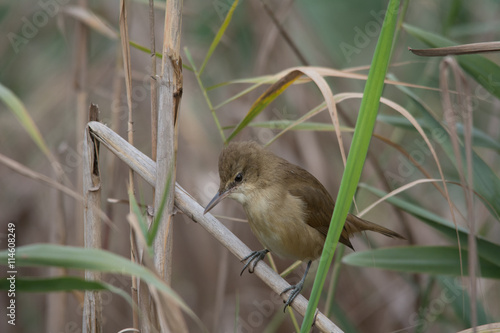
111, 180
146, 168
92, 309
170, 92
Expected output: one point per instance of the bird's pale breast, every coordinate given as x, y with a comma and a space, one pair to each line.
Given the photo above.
280, 225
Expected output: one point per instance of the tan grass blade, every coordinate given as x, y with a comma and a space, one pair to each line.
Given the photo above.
397, 191
320, 81
488, 328
323, 71
92, 20
424, 136
27, 172
417, 126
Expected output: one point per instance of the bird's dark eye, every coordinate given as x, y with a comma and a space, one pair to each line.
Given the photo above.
238, 178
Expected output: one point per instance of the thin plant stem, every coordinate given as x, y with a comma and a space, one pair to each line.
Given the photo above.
205, 95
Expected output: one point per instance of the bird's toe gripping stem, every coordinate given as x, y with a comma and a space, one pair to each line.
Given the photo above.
254, 258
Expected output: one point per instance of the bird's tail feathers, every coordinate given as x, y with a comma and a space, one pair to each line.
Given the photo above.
355, 224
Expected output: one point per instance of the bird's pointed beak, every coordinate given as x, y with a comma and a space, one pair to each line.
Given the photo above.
216, 199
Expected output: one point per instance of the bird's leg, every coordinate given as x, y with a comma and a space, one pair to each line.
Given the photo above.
254, 257
296, 288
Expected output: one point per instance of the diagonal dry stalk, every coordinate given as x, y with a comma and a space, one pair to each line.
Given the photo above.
147, 169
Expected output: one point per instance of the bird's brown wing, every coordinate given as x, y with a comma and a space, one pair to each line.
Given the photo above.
319, 203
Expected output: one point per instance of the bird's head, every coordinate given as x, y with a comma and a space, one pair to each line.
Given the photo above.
242, 167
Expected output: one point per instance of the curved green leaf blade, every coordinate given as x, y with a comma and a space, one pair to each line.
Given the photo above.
62, 284
144, 48
18, 109
305, 126
441, 260
92, 259
219, 35
65, 283
267, 97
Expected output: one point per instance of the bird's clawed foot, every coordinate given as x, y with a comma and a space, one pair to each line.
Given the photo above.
296, 289
254, 258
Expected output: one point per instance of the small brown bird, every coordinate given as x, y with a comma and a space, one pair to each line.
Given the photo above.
288, 209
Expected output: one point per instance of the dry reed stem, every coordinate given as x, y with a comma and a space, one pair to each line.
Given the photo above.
92, 309
472, 48
81, 95
146, 168
170, 92
154, 93
463, 108
127, 70
111, 179
80, 88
